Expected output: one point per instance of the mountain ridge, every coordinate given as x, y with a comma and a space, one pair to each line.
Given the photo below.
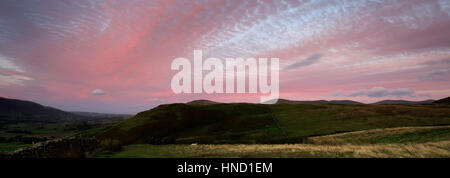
15, 110
404, 102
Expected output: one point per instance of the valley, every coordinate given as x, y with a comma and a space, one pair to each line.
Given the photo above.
289, 129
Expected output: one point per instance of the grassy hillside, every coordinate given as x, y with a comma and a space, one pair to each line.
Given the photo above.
257, 123
315, 120
187, 123
415, 142
388, 135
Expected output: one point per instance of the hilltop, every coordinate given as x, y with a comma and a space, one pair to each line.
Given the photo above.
202, 102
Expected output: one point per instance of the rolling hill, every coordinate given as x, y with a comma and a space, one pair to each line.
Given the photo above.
260, 123
16, 111
13, 110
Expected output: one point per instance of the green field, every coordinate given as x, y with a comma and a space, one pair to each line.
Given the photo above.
8, 147
406, 142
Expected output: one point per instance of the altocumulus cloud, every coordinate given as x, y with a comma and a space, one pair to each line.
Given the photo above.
98, 92
378, 92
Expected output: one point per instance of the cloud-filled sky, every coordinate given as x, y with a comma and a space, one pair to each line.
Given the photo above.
115, 56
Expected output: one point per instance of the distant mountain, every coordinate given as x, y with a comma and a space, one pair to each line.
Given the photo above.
285, 101
344, 102
443, 101
12, 110
404, 102
102, 116
202, 102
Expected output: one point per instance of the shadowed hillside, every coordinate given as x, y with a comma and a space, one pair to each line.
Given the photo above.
443, 101
183, 123
12, 110
259, 123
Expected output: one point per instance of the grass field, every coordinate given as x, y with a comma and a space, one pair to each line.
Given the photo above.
8, 147
408, 150
404, 142
36, 129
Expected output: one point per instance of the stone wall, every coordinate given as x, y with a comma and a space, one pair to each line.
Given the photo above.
58, 148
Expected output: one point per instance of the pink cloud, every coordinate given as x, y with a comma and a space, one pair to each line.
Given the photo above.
125, 48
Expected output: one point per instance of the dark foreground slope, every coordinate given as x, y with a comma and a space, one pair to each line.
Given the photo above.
258, 123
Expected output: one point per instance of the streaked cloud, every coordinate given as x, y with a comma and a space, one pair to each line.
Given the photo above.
308, 61
437, 75
8, 80
8, 64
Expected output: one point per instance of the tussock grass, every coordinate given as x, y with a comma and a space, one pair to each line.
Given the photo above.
406, 150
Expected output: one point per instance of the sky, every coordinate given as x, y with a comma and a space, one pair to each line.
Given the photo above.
115, 56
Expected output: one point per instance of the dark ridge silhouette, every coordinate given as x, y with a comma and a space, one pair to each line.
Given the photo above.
102, 116
202, 102
443, 101
13, 110
404, 102
285, 101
